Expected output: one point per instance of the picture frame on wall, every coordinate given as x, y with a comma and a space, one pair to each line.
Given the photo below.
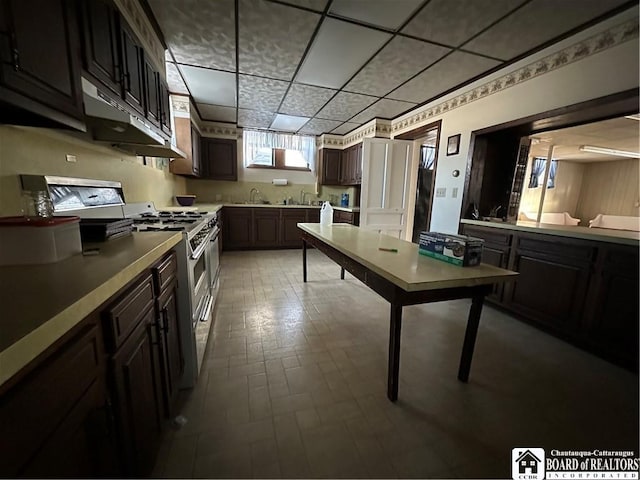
453, 145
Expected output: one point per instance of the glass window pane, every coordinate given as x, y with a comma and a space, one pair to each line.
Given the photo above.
294, 158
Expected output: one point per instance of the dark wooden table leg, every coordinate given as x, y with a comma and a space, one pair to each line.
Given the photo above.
394, 352
470, 337
304, 260
341, 273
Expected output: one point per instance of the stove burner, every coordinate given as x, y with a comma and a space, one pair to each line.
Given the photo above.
162, 228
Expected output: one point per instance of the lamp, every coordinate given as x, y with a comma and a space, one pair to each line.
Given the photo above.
609, 151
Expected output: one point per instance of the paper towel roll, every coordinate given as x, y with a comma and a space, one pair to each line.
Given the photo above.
280, 181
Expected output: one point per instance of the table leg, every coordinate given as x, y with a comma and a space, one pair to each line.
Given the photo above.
470, 337
394, 352
304, 261
341, 273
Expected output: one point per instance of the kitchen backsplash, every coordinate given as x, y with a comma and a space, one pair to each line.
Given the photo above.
208, 191
43, 152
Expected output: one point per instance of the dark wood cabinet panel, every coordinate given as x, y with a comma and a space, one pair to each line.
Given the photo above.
341, 167
266, 227
152, 94
313, 215
39, 60
165, 108
238, 227
187, 140
169, 331
330, 166
340, 216
132, 56
290, 236
100, 32
219, 159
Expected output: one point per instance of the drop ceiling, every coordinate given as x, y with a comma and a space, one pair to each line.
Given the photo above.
328, 66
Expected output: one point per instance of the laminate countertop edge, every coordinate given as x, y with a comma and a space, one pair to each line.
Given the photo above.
19, 354
214, 207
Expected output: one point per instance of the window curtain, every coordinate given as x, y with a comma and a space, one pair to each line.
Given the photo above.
551, 183
253, 140
427, 157
536, 170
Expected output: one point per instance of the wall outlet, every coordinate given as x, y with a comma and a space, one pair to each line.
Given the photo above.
454, 192
441, 192
71, 158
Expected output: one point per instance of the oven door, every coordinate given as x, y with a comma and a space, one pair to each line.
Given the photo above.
214, 255
199, 282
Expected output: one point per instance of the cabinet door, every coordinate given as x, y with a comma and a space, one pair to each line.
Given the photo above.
357, 164
132, 64
39, 59
136, 371
165, 108
100, 43
196, 151
266, 227
152, 94
220, 159
238, 228
330, 170
290, 232
173, 359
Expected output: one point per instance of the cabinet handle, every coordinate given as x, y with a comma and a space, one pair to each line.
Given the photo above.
15, 54
126, 80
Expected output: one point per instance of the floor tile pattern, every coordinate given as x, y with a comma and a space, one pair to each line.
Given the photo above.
294, 385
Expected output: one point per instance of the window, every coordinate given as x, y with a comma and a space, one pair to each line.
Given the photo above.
278, 150
427, 157
538, 167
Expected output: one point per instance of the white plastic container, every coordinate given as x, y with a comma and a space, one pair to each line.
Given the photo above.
326, 214
35, 240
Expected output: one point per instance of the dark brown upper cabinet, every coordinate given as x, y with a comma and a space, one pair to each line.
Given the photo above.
152, 94
187, 140
39, 63
132, 69
100, 31
330, 166
165, 109
219, 159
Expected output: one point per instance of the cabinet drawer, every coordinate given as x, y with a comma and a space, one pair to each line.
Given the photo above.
165, 272
493, 236
125, 314
546, 246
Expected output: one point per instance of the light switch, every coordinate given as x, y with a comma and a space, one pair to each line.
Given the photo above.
71, 158
441, 192
454, 192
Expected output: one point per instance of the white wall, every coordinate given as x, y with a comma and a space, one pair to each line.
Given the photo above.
609, 71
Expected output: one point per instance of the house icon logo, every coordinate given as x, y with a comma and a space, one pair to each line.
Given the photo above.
527, 463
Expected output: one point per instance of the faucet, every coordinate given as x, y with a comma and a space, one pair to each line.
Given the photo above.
251, 195
303, 194
495, 210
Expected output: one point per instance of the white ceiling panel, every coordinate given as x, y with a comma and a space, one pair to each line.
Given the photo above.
338, 51
453, 22
345, 128
317, 126
199, 33
454, 69
288, 123
210, 86
536, 23
400, 60
382, 13
345, 105
273, 38
305, 100
258, 93
174, 80
254, 118
317, 5
384, 108
217, 113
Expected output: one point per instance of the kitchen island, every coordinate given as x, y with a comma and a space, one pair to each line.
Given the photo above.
395, 270
580, 284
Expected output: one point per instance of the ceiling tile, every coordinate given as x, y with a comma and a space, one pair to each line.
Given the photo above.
447, 73
536, 23
260, 93
338, 51
254, 118
345, 105
384, 108
273, 38
288, 123
199, 33
174, 80
382, 13
317, 126
453, 22
305, 100
345, 128
398, 61
217, 113
210, 86
317, 5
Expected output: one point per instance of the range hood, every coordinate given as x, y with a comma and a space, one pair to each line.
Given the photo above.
110, 122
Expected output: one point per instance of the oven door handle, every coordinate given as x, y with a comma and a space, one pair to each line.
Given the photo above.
206, 311
201, 248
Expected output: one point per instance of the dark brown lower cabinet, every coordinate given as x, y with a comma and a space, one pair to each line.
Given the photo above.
266, 227
238, 227
172, 357
584, 291
290, 235
340, 216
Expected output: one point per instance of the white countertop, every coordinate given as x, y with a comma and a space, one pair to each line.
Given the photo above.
623, 237
41, 303
405, 268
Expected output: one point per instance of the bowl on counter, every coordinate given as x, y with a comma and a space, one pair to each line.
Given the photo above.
185, 200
